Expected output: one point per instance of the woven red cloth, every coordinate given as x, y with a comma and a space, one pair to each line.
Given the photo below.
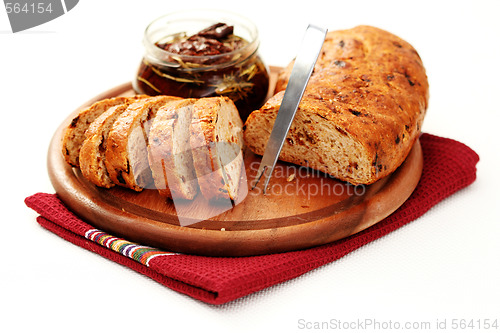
448, 167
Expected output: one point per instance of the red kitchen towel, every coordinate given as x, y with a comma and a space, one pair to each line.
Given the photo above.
448, 167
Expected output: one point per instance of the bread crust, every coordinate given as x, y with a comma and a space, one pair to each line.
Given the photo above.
135, 119
370, 88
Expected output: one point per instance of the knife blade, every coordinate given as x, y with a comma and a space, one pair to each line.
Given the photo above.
301, 72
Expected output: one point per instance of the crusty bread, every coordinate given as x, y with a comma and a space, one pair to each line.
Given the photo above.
216, 143
170, 155
361, 112
126, 151
92, 152
75, 132
186, 144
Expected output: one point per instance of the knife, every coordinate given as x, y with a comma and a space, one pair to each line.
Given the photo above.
301, 72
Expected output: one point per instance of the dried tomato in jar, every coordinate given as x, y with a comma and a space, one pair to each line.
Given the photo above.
187, 57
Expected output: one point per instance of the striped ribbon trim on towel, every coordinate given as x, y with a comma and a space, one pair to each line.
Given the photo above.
139, 253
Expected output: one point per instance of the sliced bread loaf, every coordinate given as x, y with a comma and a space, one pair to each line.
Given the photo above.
126, 150
170, 156
216, 143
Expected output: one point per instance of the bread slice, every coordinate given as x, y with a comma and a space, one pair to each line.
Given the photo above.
92, 152
126, 149
75, 132
361, 112
216, 143
170, 155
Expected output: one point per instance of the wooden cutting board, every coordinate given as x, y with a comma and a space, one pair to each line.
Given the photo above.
302, 209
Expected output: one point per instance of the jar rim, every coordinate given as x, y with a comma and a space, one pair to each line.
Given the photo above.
160, 54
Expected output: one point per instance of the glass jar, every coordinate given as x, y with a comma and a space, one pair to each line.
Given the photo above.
240, 74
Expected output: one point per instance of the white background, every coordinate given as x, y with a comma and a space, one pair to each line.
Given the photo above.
442, 266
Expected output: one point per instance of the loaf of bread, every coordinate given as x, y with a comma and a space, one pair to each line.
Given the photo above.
362, 110
182, 146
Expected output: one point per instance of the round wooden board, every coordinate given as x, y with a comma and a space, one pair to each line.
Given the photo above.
302, 208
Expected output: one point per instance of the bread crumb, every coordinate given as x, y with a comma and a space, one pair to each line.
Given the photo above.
291, 177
